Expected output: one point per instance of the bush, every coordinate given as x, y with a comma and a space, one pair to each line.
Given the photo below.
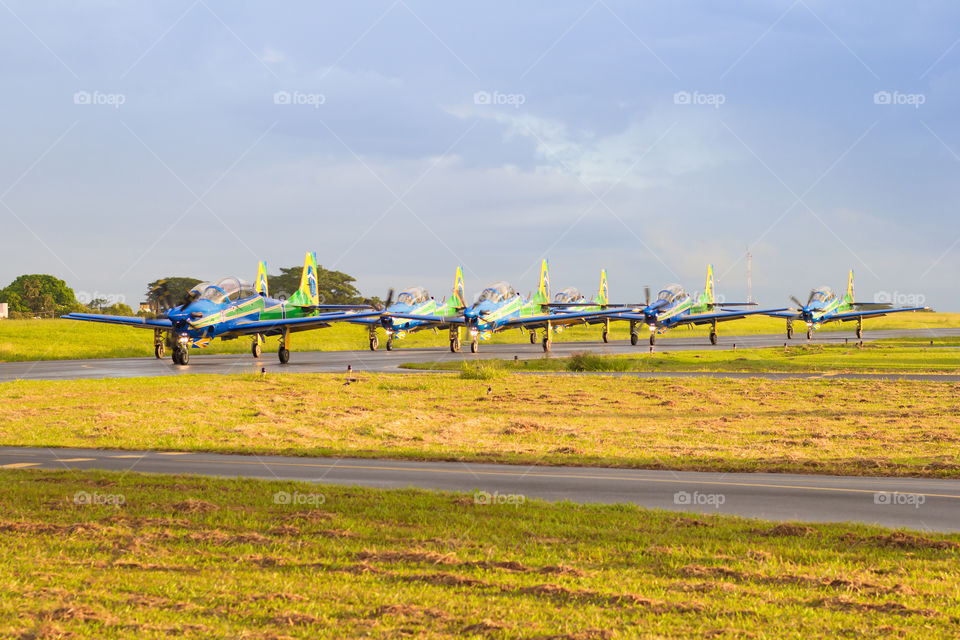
482, 370
587, 361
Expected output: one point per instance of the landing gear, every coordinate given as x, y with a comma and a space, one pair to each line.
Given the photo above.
859, 329
634, 338
547, 337
789, 331
809, 334
255, 349
374, 343
533, 336
180, 354
605, 336
475, 345
455, 345
158, 350
713, 337
653, 338
284, 355
546, 345
389, 344
158, 343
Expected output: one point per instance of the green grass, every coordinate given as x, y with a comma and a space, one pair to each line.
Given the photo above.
212, 558
882, 356
845, 427
67, 340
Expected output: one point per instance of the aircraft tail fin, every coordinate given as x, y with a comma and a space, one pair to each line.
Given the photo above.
308, 294
262, 279
543, 290
708, 296
849, 297
601, 297
459, 297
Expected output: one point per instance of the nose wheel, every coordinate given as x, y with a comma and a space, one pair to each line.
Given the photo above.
474, 345
809, 334
180, 355
389, 344
653, 339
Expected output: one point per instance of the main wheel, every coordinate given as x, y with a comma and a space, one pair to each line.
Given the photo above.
474, 346
455, 345
176, 356
284, 355
653, 339
809, 334
713, 337
184, 356
859, 333
158, 351
255, 349
374, 343
546, 345
533, 337
605, 336
389, 344
634, 339
789, 333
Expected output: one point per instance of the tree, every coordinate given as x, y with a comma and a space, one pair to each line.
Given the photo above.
335, 287
118, 309
39, 294
169, 292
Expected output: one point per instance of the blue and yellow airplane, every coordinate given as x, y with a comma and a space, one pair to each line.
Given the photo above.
824, 305
231, 308
417, 301
675, 307
500, 306
571, 300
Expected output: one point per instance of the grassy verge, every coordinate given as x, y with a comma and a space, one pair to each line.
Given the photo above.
221, 558
67, 340
812, 426
941, 355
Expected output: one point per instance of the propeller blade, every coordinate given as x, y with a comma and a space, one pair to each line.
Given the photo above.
646, 293
386, 305
799, 304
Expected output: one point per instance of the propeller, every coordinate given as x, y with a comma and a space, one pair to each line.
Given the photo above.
646, 293
386, 305
799, 304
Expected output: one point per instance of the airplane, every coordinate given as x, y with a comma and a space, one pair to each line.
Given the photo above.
824, 306
499, 307
417, 301
570, 299
231, 308
675, 307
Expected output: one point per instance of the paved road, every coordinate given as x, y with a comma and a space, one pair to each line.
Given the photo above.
385, 361
905, 502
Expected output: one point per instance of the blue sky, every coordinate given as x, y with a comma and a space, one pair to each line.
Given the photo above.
399, 139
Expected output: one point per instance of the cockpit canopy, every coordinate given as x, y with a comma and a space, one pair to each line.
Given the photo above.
225, 290
413, 296
821, 294
672, 293
497, 292
570, 294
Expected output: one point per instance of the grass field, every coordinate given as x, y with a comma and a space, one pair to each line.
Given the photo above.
921, 355
67, 340
808, 426
184, 556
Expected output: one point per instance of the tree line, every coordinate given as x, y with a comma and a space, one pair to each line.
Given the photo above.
46, 296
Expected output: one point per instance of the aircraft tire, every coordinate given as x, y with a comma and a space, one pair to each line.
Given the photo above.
634, 339
158, 351
176, 356
374, 343
389, 344
809, 334
184, 356
859, 333
605, 336
713, 337
474, 346
533, 337
255, 350
455, 345
284, 355
653, 339
789, 333
546, 345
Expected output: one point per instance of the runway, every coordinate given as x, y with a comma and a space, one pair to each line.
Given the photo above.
388, 361
923, 504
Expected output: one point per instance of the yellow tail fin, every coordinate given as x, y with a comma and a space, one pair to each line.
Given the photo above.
544, 289
308, 279
849, 296
602, 293
458, 292
708, 294
261, 287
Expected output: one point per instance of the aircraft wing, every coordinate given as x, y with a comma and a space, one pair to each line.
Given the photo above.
130, 321
718, 316
278, 325
875, 313
561, 319
787, 314
440, 320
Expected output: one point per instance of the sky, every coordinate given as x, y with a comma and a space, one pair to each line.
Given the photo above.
399, 139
